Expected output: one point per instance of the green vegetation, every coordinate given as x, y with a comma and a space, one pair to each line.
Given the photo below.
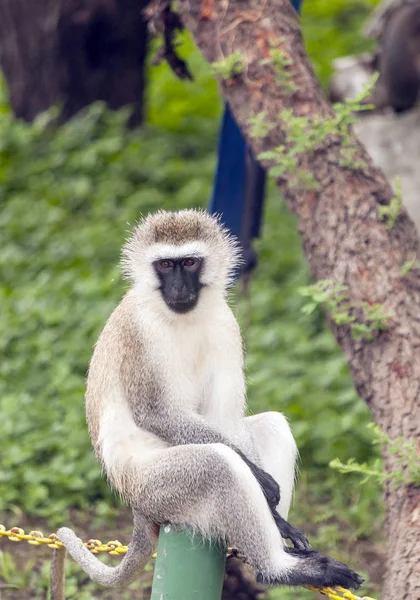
390, 213
306, 134
332, 29
67, 205
68, 196
410, 265
229, 67
406, 458
279, 61
364, 321
259, 126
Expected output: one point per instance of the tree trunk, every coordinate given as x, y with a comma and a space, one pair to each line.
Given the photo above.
73, 52
342, 236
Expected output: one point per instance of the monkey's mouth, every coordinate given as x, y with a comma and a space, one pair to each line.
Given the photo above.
183, 306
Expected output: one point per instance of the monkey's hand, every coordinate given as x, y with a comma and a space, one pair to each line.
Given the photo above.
289, 532
268, 485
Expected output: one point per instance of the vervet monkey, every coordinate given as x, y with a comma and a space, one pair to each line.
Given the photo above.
165, 407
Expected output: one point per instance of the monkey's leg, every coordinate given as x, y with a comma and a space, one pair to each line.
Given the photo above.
210, 488
276, 452
140, 549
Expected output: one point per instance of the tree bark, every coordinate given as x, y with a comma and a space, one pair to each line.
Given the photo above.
73, 52
342, 237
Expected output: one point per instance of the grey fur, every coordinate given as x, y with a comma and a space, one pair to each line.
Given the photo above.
132, 564
165, 406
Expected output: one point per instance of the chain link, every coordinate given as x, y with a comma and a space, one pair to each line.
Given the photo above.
37, 538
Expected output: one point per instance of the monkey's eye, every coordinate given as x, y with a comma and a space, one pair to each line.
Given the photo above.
165, 264
190, 263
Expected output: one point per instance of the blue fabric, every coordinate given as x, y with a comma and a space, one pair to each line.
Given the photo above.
239, 178
229, 186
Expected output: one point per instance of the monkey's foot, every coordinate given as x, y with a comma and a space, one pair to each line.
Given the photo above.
288, 532
315, 569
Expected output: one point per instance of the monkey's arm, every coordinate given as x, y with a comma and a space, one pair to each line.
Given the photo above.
286, 530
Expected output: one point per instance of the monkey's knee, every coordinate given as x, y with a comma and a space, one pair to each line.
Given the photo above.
197, 474
274, 442
272, 429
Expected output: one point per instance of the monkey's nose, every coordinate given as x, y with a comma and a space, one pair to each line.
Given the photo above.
179, 294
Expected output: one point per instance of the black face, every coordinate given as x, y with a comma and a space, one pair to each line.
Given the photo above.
179, 282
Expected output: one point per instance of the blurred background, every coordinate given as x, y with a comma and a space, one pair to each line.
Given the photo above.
69, 193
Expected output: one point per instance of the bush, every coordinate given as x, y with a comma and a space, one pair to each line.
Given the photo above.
68, 196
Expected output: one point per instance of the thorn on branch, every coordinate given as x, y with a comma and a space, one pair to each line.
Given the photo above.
165, 21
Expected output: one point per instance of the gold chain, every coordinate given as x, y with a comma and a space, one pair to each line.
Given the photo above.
37, 538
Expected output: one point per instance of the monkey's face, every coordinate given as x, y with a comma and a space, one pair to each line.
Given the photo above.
184, 257
180, 281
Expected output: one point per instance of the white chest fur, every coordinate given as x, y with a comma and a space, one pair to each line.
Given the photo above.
200, 367
203, 365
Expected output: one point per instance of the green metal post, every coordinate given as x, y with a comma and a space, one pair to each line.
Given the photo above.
187, 567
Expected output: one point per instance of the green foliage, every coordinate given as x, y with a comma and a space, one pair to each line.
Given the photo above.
373, 470
259, 126
377, 316
30, 579
229, 67
324, 292
333, 296
406, 457
410, 265
391, 211
285, 160
345, 117
304, 135
67, 198
332, 29
11, 575
279, 60
177, 105
293, 362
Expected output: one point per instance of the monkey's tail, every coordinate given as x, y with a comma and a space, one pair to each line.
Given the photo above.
139, 552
